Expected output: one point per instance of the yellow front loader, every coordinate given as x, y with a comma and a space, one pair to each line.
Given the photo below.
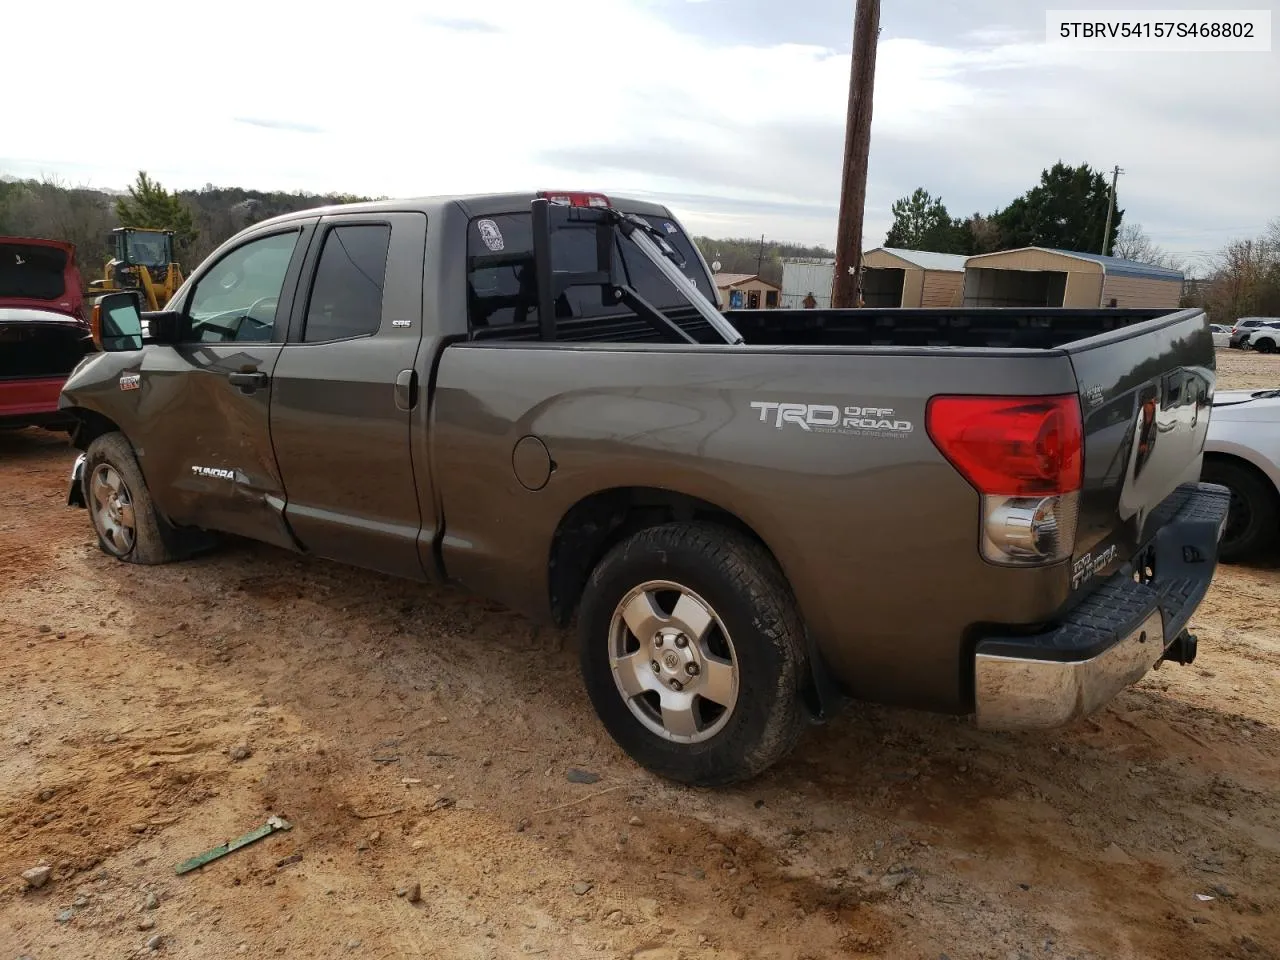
141, 260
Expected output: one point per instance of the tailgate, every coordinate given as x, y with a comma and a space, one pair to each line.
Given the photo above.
1145, 393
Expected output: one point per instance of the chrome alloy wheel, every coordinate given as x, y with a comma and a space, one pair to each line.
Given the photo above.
112, 509
673, 662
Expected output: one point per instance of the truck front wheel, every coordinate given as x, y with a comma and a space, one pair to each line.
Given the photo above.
120, 507
693, 653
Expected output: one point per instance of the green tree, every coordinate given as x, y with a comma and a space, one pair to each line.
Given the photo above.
150, 205
921, 222
1067, 210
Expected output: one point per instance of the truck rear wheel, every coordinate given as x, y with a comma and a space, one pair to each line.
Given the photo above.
120, 507
693, 653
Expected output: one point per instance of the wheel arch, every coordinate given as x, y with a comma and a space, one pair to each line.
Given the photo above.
1268, 339
89, 426
600, 520
1249, 459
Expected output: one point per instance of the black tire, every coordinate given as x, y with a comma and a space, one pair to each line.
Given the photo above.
744, 588
154, 540
1265, 345
1255, 510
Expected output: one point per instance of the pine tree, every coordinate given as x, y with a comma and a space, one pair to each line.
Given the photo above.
151, 206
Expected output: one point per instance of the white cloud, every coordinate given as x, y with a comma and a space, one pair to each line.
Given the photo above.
400, 98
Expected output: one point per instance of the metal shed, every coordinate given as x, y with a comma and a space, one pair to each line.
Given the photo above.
893, 277
1044, 277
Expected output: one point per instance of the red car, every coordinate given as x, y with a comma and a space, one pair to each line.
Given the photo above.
43, 333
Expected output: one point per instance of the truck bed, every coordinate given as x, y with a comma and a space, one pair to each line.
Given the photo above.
991, 328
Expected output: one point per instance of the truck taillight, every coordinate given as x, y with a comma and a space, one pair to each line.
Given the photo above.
575, 198
1025, 456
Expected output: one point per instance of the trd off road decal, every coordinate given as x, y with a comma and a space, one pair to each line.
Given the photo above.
130, 381
828, 418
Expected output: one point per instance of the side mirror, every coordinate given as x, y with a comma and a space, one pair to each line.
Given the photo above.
116, 323
164, 326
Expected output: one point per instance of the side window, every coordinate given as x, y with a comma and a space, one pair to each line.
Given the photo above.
346, 296
237, 299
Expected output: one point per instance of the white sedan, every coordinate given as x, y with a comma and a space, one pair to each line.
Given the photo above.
1221, 334
1242, 452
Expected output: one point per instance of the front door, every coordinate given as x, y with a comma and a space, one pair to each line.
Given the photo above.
345, 389
206, 452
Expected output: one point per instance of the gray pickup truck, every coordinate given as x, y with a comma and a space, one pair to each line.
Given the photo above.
753, 515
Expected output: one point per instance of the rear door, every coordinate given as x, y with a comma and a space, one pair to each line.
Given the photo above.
344, 391
202, 433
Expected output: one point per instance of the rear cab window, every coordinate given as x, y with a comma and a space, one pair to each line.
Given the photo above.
501, 280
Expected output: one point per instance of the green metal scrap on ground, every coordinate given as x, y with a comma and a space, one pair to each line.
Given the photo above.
270, 827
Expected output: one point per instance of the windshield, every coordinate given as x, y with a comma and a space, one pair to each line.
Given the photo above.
147, 249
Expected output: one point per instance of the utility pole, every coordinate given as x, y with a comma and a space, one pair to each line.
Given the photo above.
847, 287
1111, 210
760, 258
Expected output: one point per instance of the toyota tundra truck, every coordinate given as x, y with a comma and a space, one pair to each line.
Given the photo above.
753, 516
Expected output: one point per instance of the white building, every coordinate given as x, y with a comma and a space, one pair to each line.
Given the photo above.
804, 276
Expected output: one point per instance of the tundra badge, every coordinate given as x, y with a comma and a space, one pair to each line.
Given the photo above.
216, 472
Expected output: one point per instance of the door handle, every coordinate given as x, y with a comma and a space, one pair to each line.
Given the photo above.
249, 381
406, 389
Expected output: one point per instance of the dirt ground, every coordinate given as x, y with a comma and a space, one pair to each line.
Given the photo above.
419, 736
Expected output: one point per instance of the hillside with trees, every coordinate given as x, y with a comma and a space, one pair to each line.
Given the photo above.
201, 219
1067, 209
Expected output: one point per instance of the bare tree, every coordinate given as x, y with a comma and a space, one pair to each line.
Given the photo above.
1132, 243
49, 208
1245, 281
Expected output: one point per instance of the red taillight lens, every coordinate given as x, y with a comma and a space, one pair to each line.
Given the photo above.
575, 198
1011, 446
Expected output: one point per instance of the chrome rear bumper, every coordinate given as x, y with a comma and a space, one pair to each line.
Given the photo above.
1112, 638
1020, 693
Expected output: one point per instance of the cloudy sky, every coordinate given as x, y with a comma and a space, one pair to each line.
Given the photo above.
730, 110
